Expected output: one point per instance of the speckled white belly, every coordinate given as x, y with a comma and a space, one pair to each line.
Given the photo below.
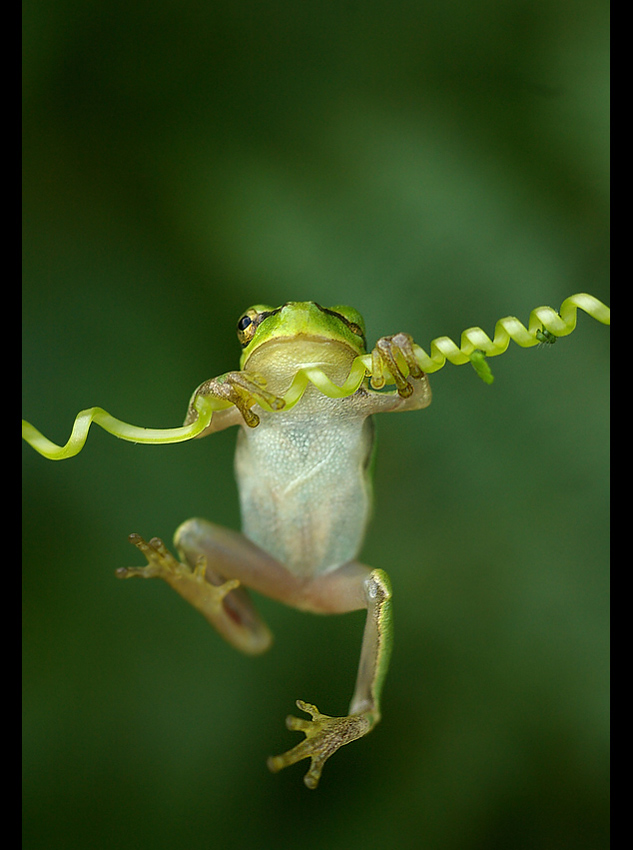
304, 489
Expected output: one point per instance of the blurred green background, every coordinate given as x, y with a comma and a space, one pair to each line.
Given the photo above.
437, 165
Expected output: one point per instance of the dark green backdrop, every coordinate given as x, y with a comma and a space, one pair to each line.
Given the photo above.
437, 165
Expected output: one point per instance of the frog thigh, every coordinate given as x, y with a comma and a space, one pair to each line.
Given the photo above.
230, 555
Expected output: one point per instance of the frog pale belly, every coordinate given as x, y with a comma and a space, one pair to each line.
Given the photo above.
304, 489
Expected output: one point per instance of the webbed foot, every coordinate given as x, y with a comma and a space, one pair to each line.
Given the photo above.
324, 736
192, 584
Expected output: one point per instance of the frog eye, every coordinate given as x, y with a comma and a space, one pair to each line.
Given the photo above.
354, 328
351, 317
246, 326
249, 322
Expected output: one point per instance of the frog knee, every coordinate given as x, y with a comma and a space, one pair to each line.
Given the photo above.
378, 586
192, 532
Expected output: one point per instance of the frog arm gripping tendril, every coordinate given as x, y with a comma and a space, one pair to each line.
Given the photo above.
545, 325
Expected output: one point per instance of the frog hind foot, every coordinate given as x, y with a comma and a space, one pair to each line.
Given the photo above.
192, 584
324, 736
225, 604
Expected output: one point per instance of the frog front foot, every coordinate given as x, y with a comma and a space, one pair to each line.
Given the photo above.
324, 736
192, 584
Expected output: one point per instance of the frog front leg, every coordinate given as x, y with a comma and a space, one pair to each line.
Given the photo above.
325, 734
241, 390
394, 357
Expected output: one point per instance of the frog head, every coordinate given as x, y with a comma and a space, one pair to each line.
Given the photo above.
300, 319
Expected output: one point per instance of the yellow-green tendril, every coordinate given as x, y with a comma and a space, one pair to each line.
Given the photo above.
545, 325
478, 362
543, 319
123, 430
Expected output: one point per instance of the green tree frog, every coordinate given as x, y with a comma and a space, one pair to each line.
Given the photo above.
305, 495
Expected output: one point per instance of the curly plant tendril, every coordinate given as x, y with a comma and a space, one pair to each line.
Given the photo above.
545, 325
123, 430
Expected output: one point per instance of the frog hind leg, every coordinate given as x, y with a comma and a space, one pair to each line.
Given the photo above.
203, 578
325, 734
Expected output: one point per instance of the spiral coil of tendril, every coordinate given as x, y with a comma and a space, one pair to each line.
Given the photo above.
475, 346
510, 328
